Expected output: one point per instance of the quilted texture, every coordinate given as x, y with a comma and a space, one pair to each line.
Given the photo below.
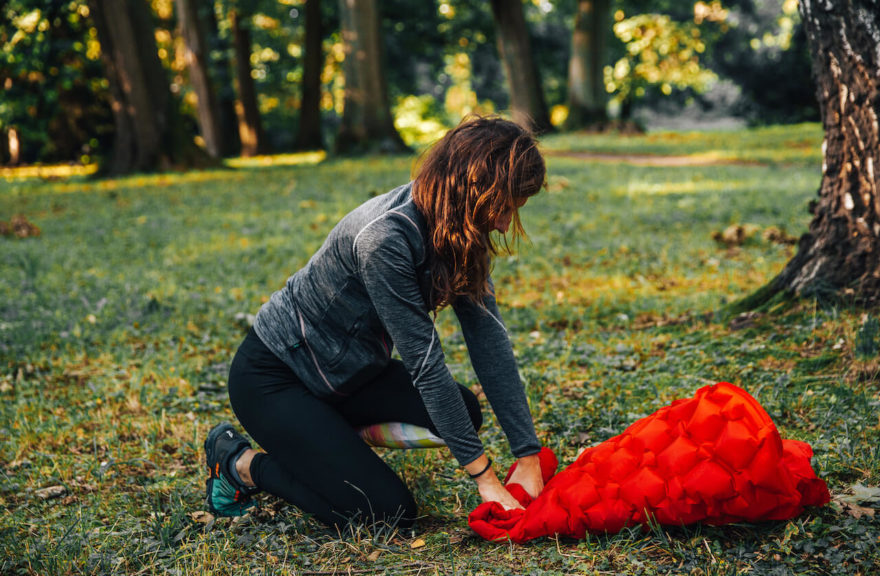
714, 458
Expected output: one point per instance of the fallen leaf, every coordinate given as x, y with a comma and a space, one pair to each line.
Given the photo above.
201, 517
850, 504
855, 510
374, 555
51, 492
417, 543
866, 493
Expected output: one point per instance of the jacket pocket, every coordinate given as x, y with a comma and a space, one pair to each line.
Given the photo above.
348, 338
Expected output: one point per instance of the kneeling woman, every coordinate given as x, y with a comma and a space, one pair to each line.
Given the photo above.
317, 365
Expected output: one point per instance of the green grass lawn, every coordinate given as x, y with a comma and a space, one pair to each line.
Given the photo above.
118, 323
776, 145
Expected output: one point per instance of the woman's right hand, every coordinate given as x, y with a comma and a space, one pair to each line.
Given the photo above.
491, 489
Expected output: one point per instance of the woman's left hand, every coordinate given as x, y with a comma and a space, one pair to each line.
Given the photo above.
528, 475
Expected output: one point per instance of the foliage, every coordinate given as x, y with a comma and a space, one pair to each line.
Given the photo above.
57, 98
659, 52
118, 323
419, 121
277, 51
763, 50
54, 92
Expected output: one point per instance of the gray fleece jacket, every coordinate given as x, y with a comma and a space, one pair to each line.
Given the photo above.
368, 288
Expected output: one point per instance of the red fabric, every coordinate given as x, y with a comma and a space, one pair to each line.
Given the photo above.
714, 458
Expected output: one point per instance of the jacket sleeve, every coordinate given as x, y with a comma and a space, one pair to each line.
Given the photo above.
387, 267
492, 357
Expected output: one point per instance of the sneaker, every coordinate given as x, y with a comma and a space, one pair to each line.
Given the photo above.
225, 496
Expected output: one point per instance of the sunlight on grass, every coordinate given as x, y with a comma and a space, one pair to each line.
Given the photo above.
47, 172
685, 187
585, 288
798, 144
297, 159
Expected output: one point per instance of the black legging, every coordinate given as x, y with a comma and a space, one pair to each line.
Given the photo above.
314, 457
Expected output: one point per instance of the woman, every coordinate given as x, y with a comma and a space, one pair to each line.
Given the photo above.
317, 364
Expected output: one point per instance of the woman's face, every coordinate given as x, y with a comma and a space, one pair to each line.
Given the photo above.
502, 222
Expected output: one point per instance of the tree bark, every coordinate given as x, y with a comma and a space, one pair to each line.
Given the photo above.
192, 25
309, 133
587, 98
367, 124
250, 127
148, 135
526, 95
221, 71
840, 254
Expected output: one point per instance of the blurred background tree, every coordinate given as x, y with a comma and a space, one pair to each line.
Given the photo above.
587, 96
250, 126
209, 77
277, 69
761, 47
659, 53
367, 124
56, 103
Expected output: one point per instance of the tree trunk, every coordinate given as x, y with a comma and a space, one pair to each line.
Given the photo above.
840, 255
367, 124
587, 98
221, 71
526, 95
192, 25
14, 146
250, 127
309, 135
148, 134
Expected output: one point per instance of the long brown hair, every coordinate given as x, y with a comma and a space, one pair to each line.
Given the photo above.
480, 171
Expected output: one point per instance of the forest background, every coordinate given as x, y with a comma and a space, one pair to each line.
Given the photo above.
439, 61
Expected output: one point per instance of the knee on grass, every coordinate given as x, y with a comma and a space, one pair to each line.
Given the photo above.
392, 509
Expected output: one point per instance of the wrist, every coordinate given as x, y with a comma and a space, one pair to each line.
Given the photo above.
482, 471
481, 464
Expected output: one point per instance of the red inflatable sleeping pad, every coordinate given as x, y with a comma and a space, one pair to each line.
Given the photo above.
714, 458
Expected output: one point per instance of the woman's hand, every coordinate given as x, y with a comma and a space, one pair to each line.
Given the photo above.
528, 475
490, 488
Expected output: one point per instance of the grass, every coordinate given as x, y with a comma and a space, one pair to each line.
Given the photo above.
118, 323
775, 145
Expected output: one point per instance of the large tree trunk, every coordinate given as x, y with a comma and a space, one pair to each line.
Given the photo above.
840, 255
587, 98
367, 124
250, 127
192, 25
147, 136
309, 134
526, 95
